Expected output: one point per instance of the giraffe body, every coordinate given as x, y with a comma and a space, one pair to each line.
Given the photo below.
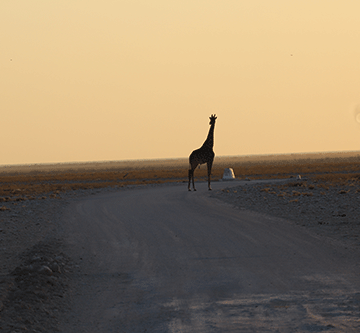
204, 154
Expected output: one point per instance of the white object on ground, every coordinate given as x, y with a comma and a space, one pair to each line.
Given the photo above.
228, 174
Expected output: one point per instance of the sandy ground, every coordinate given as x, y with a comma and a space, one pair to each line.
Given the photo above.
186, 262
325, 208
162, 259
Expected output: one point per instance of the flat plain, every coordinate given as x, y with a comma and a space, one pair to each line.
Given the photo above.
36, 270
22, 182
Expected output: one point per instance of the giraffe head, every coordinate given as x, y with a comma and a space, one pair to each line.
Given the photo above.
212, 119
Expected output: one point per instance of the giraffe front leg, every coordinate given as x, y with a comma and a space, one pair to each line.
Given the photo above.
193, 178
209, 165
189, 188
193, 181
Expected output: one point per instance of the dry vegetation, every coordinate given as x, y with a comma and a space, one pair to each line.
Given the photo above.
344, 182
26, 183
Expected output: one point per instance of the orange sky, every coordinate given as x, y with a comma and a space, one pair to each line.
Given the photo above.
112, 80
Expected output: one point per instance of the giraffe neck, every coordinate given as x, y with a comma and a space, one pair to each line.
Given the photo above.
209, 142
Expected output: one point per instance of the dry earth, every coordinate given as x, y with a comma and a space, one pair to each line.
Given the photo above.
35, 269
327, 208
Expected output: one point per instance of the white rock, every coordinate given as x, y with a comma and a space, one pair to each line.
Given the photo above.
228, 174
45, 270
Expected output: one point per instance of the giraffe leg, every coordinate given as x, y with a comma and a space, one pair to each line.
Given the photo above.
191, 176
190, 172
209, 165
193, 179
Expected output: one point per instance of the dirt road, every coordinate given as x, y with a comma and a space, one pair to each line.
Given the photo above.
162, 259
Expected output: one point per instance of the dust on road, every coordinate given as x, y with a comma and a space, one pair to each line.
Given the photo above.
162, 259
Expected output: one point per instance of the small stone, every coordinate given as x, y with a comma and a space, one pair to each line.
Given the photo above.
343, 191
45, 270
36, 258
228, 174
55, 268
23, 270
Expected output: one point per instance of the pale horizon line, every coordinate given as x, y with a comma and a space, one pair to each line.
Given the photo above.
175, 158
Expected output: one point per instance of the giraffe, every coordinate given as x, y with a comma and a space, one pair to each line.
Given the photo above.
204, 154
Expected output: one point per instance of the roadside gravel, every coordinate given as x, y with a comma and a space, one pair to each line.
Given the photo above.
34, 267
35, 270
328, 209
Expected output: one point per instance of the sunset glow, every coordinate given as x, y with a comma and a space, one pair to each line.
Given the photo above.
115, 80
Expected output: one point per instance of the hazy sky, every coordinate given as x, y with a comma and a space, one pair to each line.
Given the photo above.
84, 80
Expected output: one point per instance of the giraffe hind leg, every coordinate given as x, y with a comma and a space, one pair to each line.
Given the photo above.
193, 181
191, 178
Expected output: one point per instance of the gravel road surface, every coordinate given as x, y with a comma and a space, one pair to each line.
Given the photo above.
162, 259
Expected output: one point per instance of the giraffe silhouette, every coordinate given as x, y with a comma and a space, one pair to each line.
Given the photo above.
204, 154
